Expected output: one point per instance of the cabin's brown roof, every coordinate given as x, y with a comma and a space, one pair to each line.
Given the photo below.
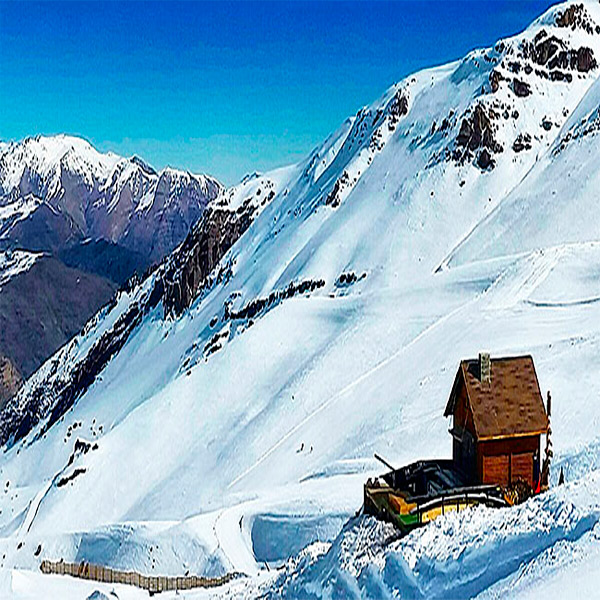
510, 405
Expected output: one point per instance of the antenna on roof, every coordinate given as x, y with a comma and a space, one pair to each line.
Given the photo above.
485, 367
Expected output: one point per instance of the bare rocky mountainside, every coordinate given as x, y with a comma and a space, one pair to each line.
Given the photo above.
98, 219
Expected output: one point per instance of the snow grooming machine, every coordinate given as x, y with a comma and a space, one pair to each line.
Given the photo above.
422, 491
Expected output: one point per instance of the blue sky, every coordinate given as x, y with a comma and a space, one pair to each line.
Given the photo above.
222, 87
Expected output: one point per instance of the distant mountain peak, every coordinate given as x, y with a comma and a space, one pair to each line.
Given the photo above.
106, 195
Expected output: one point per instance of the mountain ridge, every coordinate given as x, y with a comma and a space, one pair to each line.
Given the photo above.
100, 195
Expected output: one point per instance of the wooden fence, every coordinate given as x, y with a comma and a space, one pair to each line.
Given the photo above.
152, 583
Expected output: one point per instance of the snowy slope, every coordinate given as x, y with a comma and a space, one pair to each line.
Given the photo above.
225, 413
64, 184
540, 211
14, 263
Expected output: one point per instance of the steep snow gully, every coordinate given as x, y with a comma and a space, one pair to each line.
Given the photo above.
222, 413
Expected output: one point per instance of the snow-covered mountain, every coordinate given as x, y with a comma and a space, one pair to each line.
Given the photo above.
55, 191
105, 216
222, 414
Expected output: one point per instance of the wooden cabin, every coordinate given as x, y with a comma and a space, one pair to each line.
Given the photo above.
498, 418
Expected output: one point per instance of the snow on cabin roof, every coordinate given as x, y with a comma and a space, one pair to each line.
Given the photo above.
510, 405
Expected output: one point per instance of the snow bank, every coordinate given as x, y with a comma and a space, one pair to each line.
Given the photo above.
457, 556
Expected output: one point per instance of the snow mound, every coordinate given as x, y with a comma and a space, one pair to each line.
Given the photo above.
457, 556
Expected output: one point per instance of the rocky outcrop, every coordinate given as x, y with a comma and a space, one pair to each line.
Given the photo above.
10, 380
522, 142
577, 17
260, 305
203, 248
334, 197
495, 79
551, 52
485, 160
397, 108
521, 88
476, 138
477, 131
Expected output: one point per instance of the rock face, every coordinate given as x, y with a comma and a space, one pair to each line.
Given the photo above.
521, 88
10, 380
57, 191
476, 136
551, 52
522, 142
476, 131
204, 247
577, 17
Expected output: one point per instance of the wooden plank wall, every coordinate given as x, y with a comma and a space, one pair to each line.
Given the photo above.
152, 583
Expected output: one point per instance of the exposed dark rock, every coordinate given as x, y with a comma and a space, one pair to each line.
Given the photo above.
547, 124
333, 198
577, 17
543, 48
477, 131
215, 343
258, 305
553, 53
560, 76
203, 248
10, 380
521, 88
585, 60
485, 160
64, 480
522, 142
495, 79
398, 107
80, 448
